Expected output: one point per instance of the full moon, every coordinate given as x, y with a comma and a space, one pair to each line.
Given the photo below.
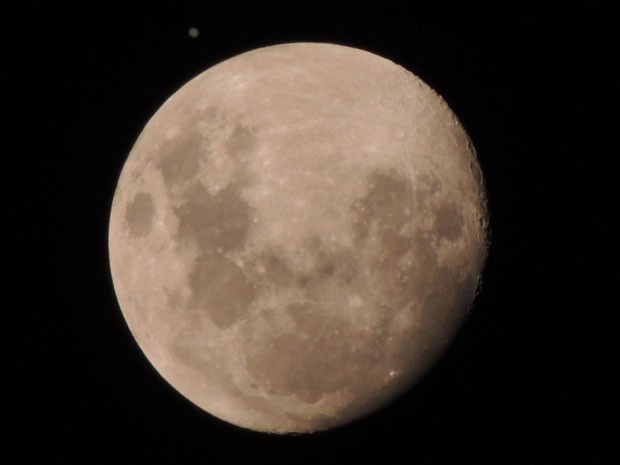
297, 234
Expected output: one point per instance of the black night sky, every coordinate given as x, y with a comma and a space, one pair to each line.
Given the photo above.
494, 398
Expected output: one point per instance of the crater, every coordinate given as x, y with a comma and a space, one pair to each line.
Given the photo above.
271, 268
383, 208
449, 298
396, 254
180, 156
184, 346
448, 221
220, 289
174, 298
217, 222
316, 359
426, 187
240, 142
139, 214
401, 258
339, 264
476, 172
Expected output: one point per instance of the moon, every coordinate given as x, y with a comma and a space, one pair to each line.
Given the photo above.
297, 234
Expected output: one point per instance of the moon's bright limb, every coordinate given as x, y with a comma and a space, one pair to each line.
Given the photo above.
297, 234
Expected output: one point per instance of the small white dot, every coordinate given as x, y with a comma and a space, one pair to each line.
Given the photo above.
355, 300
193, 32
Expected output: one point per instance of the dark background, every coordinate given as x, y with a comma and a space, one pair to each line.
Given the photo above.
500, 394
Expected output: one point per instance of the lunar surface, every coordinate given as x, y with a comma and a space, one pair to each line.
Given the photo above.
297, 234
